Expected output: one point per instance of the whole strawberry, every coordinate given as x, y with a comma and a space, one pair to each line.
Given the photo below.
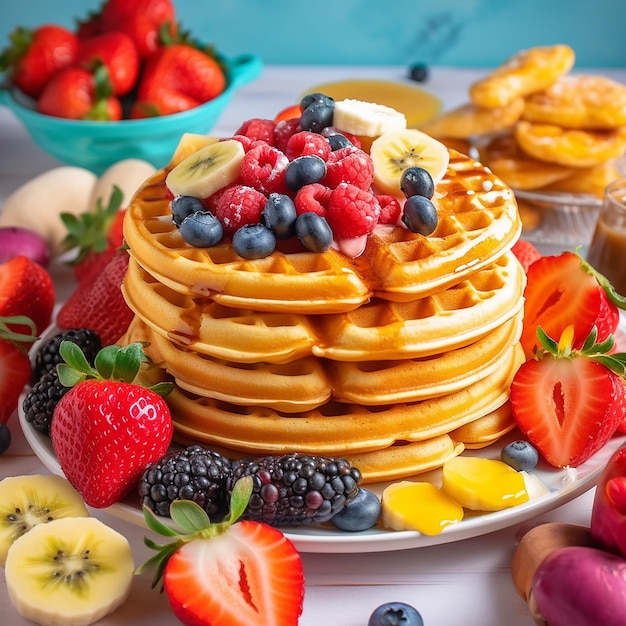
570, 402
98, 303
107, 428
233, 573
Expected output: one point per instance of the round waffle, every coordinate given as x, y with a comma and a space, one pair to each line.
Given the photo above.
478, 222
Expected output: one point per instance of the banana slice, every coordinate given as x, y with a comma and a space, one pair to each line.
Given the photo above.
71, 571
393, 152
366, 119
206, 171
26, 501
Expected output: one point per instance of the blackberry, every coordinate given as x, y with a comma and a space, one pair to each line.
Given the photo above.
48, 355
5, 438
295, 489
193, 473
40, 401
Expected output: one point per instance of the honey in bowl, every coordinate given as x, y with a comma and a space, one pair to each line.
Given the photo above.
417, 104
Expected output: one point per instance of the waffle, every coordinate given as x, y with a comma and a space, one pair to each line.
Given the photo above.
526, 72
478, 222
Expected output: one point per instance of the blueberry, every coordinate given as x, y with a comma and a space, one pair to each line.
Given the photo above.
416, 181
317, 116
182, 206
338, 141
201, 229
304, 170
420, 215
362, 513
395, 614
520, 455
254, 241
418, 72
5, 438
279, 215
314, 232
310, 98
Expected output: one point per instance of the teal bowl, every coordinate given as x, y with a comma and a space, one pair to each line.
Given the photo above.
97, 145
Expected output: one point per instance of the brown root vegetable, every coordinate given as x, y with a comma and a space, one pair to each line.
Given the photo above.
579, 586
537, 544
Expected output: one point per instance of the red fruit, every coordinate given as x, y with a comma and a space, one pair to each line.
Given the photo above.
250, 574
349, 165
567, 403
305, 143
99, 304
351, 211
283, 131
118, 53
263, 168
75, 93
560, 292
258, 129
526, 253
288, 113
313, 198
177, 78
239, 205
143, 20
35, 55
105, 432
390, 209
14, 375
26, 288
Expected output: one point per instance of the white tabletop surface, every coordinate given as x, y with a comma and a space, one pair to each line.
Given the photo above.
466, 582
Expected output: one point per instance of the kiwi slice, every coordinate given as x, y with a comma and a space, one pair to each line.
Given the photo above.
71, 571
26, 501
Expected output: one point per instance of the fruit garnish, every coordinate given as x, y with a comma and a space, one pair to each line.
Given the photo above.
520, 455
5, 438
395, 613
569, 401
26, 501
526, 253
367, 119
231, 573
107, 428
71, 571
361, 513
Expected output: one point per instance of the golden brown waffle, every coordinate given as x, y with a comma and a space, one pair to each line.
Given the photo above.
478, 222
526, 72
379, 329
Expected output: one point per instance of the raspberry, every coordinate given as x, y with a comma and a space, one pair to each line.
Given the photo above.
306, 143
246, 142
239, 205
349, 165
390, 209
258, 128
352, 212
212, 201
313, 198
283, 131
263, 168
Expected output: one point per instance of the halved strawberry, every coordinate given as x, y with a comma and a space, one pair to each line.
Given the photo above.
227, 574
569, 402
563, 290
526, 253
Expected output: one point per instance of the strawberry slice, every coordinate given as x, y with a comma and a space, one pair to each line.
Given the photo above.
569, 402
234, 573
563, 290
526, 253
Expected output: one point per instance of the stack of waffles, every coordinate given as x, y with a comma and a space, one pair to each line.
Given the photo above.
396, 360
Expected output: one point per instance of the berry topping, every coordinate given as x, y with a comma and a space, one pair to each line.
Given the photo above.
40, 402
284, 130
313, 198
352, 212
338, 141
304, 170
263, 168
182, 206
297, 489
395, 614
5, 438
314, 232
202, 229
349, 165
311, 98
258, 129
318, 114
390, 209
362, 513
305, 143
418, 72
420, 215
239, 205
254, 241
520, 455
416, 181
194, 473
279, 215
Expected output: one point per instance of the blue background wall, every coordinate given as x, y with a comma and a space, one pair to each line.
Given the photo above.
467, 33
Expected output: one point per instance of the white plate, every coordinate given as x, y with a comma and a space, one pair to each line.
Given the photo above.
564, 486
